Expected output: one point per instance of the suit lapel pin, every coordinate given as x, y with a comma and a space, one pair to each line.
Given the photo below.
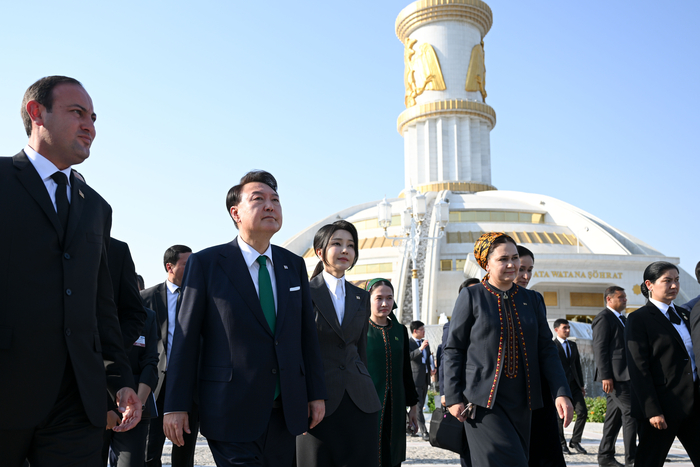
81, 194
524, 303
285, 267
357, 297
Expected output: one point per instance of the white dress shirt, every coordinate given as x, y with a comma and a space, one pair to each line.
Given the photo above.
682, 330
172, 316
250, 256
45, 169
423, 352
337, 289
619, 315
567, 346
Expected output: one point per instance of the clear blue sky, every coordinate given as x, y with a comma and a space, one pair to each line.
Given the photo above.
596, 101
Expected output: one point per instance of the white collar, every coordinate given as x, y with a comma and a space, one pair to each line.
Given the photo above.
44, 167
250, 254
561, 341
332, 281
616, 313
662, 306
171, 287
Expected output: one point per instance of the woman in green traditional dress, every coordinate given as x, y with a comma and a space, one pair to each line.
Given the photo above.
390, 368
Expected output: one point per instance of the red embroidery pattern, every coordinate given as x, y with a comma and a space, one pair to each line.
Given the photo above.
510, 334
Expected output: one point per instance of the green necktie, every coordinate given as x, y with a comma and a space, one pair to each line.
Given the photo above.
267, 302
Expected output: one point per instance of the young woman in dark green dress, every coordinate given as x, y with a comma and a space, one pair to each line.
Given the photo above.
390, 368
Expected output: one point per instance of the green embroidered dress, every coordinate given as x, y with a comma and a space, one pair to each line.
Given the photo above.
390, 368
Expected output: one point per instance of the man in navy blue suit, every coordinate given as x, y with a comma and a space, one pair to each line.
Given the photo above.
246, 329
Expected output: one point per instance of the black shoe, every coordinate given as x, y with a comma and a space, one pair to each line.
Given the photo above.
425, 437
565, 449
578, 448
610, 463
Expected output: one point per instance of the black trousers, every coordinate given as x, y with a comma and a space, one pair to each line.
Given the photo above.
181, 456
422, 391
619, 414
66, 438
545, 447
581, 415
654, 444
275, 447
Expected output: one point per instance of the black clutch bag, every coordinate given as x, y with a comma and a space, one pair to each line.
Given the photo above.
446, 432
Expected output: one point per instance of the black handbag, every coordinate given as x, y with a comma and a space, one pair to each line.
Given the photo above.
446, 432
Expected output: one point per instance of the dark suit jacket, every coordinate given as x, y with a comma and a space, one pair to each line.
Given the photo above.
659, 366
241, 358
156, 298
130, 310
55, 299
571, 364
471, 355
143, 357
609, 347
344, 347
420, 375
440, 357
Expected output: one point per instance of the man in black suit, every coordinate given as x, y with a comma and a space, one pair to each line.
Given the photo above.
163, 299
419, 349
60, 344
571, 361
130, 310
246, 325
610, 353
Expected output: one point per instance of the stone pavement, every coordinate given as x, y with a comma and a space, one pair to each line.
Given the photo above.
422, 454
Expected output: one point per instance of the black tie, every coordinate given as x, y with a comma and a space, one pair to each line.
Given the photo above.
623, 318
568, 352
177, 303
673, 316
62, 206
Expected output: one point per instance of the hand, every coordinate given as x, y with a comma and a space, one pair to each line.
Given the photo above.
130, 407
583, 390
413, 418
424, 345
113, 419
456, 411
608, 386
433, 372
564, 409
317, 410
658, 422
173, 425
442, 400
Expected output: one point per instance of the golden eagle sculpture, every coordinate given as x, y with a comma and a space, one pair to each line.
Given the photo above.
422, 71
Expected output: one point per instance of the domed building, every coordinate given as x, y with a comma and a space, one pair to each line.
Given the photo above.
446, 128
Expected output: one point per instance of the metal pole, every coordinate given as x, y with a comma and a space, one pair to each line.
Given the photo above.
416, 295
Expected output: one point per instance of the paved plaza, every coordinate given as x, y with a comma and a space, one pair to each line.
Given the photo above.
422, 454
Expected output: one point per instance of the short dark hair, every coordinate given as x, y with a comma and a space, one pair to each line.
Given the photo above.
468, 283
42, 92
559, 322
172, 254
323, 238
416, 325
522, 251
612, 290
140, 282
653, 272
233, 197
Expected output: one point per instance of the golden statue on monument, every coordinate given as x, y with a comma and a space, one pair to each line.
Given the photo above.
476, 74
422, 71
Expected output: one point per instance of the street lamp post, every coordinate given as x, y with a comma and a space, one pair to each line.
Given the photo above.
412, 218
